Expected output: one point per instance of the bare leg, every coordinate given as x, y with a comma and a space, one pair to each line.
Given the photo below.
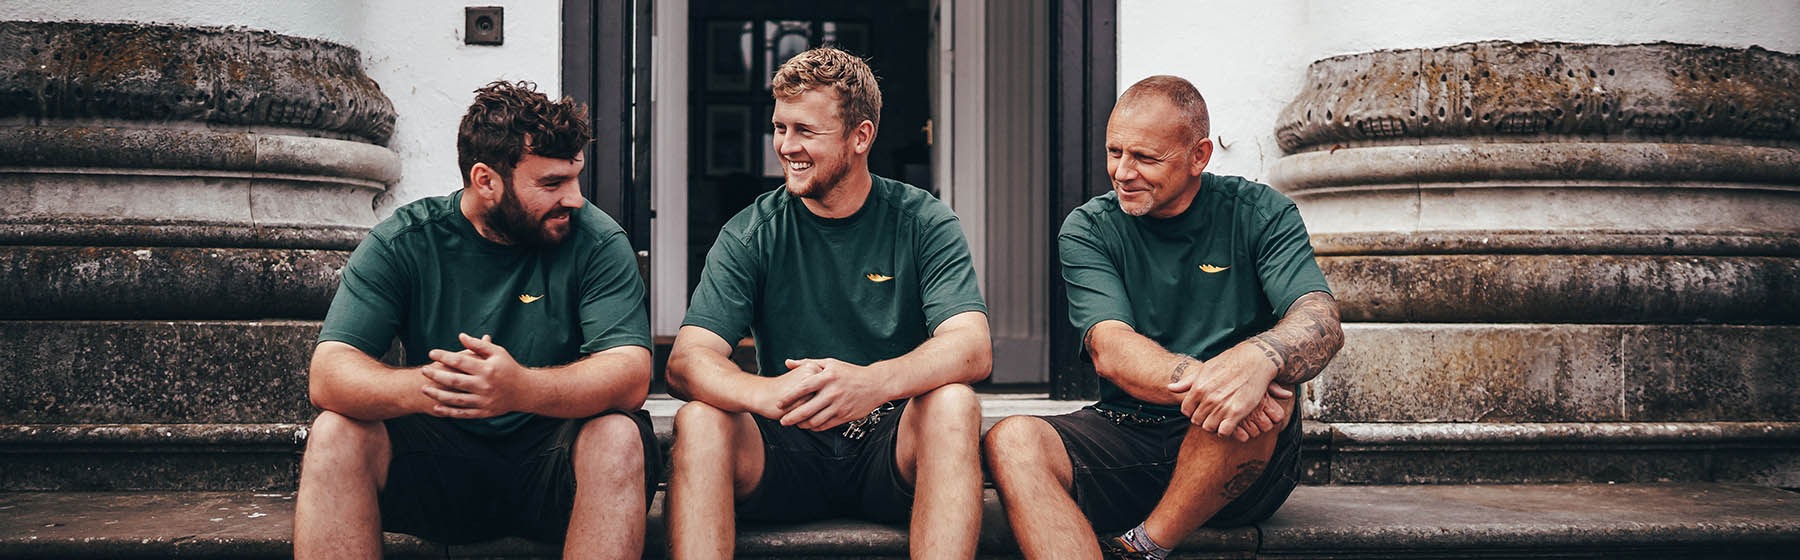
337, 514
1031, 468
718, 459
1210, 471
608, 518
943, 469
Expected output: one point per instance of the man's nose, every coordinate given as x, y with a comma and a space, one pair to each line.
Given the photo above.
572, 197
1124, 170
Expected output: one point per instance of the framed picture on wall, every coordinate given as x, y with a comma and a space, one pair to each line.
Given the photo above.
851, 37
727, 139
730, 52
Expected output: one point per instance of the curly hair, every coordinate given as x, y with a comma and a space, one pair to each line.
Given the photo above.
509, 120
859, 97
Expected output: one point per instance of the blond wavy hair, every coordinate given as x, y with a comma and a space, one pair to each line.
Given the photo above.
829, 69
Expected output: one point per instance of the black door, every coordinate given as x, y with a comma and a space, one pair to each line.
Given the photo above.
735, 46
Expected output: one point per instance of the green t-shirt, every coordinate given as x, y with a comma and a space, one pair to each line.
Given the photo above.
425, 275
1198, 283
861, 289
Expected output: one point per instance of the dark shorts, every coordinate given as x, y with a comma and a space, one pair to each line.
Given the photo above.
1123, 467
454, 486
811, 475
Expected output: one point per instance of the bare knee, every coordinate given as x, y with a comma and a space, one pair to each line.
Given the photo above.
952, 407
612, 440
1023, 446
345, 445
335, 432
700, 423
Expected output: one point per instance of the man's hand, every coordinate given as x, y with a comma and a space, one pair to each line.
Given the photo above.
840, 391
481, 382
1233, 394
783, 392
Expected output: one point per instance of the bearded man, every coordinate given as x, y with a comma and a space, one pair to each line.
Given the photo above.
527, 359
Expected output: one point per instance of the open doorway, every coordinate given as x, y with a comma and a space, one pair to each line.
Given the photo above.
968, 110
733, 50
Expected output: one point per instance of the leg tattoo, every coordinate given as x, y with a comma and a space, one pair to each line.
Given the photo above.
1247, 474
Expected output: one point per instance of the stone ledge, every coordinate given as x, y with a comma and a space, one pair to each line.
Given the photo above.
101, 231
1489, 288
1702, 165
1698, 520
129, 372
1550, 242
185, 149
161, 73
166, 282
1536, 372
1661, 91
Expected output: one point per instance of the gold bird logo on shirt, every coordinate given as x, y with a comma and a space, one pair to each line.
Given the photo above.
527, 298
1210, 269
878, 278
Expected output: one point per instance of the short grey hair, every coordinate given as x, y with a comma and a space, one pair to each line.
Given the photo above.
1178, 92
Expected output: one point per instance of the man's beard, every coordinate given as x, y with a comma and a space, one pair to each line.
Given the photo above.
825, 180
510, 222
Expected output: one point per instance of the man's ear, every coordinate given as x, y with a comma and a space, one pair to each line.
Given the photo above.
862, 137
1203, 151
485, 181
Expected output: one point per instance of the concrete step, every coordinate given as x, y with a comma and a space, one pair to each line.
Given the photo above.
1684, 520
107, 457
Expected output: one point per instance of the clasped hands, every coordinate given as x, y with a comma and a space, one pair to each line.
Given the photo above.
820, 394
1234, 394
481, 381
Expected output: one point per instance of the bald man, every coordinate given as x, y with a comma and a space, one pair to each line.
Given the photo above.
1202, 310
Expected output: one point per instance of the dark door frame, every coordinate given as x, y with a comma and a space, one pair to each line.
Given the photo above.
1083, 79
601, 40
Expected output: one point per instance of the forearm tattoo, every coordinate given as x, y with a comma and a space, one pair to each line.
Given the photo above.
1305, 340
1180, 369
1247, 474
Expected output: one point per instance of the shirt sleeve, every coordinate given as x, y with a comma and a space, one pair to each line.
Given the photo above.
368, 308
1284, 261
725, 299
613, 308
947, 273
1095, 289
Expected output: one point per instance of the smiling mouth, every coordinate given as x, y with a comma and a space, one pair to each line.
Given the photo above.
799, 165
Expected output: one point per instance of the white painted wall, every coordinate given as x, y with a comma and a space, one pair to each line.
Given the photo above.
1249, 57
413, 48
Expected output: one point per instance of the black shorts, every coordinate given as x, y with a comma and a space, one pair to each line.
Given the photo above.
1122, 468
810, 475
454, 486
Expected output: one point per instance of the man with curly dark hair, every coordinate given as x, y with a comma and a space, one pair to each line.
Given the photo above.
520, 309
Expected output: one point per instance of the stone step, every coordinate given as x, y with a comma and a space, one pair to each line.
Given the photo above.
1685, 520
109, 457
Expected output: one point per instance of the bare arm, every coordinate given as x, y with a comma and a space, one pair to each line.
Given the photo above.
700, 369
616, 378
1305, 339
485, 381
1138, 365
959, 351
1229, 387
344, 380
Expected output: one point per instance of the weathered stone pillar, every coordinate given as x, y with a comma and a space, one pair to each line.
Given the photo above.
1559, 262
174, 206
